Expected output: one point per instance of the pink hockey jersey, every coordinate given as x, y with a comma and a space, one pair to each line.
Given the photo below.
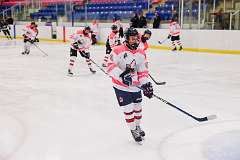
83, 41
174, 29
114, 39
120, 57
30, 33
143, 45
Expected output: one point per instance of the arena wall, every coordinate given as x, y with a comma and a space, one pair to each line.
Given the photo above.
211, 41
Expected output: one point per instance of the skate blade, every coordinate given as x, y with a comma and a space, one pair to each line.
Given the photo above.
70, 75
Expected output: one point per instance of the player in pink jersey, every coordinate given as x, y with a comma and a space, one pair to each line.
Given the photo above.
128, 68
144, 38
114, 39
81, 43
174, 34
29, 37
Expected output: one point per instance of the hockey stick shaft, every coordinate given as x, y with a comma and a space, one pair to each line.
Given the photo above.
44, 53
166, 102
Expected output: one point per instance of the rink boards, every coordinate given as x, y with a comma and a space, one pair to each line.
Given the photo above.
209, 41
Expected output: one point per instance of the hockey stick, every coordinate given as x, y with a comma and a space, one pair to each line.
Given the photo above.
161, 42
199, 119
44, 53
157, 83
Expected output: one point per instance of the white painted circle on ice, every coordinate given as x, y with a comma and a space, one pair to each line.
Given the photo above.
11, 135
209, 141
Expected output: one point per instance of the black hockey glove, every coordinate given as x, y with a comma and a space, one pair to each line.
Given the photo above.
75, 46
36, 40
147, 89
31, 41
169, 36
119, 42
85, 54
143, 39
126, 76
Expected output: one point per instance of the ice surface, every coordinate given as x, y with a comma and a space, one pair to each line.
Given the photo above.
46, 115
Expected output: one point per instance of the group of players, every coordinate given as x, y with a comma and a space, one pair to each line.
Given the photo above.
125, 62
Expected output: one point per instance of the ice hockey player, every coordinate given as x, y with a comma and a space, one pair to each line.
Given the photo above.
129, 72
174, 34
29, 37
117, 21
144, 38
4, 27
114, 39
81, 43
94, 33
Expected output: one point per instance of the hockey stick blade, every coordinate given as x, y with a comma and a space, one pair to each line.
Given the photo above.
160, 83
199, 119
157, 83
212, 117
203, 119
161, 42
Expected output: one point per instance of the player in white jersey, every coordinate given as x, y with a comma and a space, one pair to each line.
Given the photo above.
114, 39
128, 68
81, 43
174, 34
120, 26
144, 38
94, 33
29, 37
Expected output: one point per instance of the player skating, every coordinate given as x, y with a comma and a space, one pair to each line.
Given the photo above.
174, 34
81, 43
29, 37
128, 69
144, 39
114, 39
95, 31
4, 27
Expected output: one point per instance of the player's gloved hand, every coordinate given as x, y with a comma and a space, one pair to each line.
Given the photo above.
75, 46
85, 54
118, 42
36, 40
31, 41
126, 76
147, 89
169, 36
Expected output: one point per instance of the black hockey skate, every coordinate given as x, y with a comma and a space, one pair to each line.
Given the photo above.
92, 70
137, 137
25, 52
180, 48
70, 72
174, 49
141, 132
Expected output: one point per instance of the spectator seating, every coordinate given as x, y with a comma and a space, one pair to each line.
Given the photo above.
165, 10
101, 9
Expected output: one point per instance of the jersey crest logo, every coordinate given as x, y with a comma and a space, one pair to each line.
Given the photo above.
120, 99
